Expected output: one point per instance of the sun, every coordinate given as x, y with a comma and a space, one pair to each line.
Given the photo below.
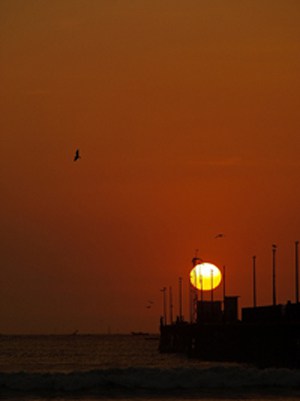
205, 276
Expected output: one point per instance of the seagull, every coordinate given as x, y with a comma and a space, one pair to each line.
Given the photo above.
219, 236
76, 157
150, 303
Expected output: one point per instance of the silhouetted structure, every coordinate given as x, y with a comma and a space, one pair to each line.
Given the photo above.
296, 272
264, 336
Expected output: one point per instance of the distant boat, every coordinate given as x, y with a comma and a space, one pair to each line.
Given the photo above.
139, 333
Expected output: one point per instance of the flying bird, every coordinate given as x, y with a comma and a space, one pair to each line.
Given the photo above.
150, 303
77, 156
219, 236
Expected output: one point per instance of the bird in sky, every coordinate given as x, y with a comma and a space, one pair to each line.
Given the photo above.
77, 156
150, 303
219, 236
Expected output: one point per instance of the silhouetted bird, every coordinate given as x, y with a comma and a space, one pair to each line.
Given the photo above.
150, 303
77, 156
219, 236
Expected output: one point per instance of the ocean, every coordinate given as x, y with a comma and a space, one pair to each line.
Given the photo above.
128, 367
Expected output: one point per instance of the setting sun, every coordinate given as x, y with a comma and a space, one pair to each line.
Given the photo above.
205, 276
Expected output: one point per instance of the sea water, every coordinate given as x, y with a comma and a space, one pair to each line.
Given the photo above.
128, 367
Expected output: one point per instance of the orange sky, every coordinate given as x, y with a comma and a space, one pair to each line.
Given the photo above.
186, 114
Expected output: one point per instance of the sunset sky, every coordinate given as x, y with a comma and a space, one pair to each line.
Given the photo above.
187, 117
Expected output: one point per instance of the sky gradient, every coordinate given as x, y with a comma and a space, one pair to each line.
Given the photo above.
186, 114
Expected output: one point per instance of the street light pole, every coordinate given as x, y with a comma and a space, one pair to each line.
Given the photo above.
171, 304
274, 247
180, 299
297, 271
164, 305
224, 283
254, 281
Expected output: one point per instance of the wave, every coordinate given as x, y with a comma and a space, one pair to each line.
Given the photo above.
152, 380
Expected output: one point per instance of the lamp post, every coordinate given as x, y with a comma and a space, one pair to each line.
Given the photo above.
274, 248
164, 305
193, 291
180, 299
171, 304
297, 272
224, 283
201, 286
254, 281
212, 285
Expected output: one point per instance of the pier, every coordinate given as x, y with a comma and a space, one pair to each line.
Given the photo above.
265, 336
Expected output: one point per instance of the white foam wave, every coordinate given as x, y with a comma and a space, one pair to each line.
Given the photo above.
147, 379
